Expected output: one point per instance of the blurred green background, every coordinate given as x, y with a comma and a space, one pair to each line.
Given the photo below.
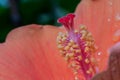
15, 13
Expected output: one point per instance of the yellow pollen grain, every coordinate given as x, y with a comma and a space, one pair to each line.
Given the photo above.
64, 38
66, 58
73, 64
91, 70
76, 31
76, 78
59, 42
89, 34
77, 67
67, 48
60, 47
71, 49
87, 43
75, 72
87, 61
75, 46
77, 51
71, 41
84, 32
70, 44
71, 54
61, 51
82, 27
86, 49
59, 38
88, 72
80, 58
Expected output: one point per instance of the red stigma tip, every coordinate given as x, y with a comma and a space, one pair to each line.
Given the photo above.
67, 21
71, 15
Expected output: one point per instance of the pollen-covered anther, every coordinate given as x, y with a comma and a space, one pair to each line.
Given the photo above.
75, 46
66, 48
87, 60
78, 51
77, 67
79, 58
61, 37
71, 41
82, 27
64, 38
76, 78
62, 53
70, 44
75, 72
89, 71
87, 49
69, 56
89, 35
76, 31
58, 39
60, 47
84, 34
73, 64
72, 50
88, 43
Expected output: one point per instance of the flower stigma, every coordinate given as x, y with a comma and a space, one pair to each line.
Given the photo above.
78, 48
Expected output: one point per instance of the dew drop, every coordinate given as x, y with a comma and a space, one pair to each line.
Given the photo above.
109, 19
99, 53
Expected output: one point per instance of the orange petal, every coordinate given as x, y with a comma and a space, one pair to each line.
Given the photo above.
30, 53
102, 17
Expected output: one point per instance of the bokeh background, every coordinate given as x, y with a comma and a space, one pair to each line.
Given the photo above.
16, 13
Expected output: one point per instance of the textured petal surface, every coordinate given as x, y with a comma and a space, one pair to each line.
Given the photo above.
30, 53
102, 17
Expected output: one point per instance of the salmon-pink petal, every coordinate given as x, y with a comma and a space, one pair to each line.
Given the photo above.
102, 17
30, 53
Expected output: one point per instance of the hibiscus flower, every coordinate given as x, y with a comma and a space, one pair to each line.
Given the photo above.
30, 52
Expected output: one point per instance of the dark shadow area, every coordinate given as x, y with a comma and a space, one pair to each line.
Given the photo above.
16, 13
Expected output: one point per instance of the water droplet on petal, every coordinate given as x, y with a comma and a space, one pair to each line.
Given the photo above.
99, 53
109, 19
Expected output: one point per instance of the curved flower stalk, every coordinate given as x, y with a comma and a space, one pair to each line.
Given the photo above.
30, 52
78, 48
